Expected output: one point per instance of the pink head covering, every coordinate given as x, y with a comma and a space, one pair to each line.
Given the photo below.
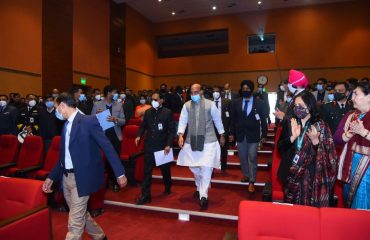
298, 79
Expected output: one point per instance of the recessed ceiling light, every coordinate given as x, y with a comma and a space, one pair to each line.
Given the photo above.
214, 8
159, 0
259, 2
173, 13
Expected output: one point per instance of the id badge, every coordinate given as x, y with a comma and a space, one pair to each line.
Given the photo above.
257, 117
32, 120
296, 159
227, 114
160, 126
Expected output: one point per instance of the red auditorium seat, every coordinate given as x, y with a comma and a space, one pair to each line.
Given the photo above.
262, 221
132, 156
8, 151
29, 158
23, 212
51, 159
135, 121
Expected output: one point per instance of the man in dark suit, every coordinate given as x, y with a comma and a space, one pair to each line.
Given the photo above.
333, 112
224, 107
228, 93
8, 117
249, 118
80, 166
176, 102
159, 127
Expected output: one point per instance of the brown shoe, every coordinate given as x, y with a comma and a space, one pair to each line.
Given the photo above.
245, 179
251, 188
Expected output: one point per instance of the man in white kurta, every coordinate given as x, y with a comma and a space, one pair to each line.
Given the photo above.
201, 150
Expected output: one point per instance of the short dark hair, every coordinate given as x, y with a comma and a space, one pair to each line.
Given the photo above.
67, 99
96, 89
74, 89
352, 81
323, 80
346, 86
310, 101
3, 95
108, 89
161, 96
365, 87
49, 96
163, 84
30, 95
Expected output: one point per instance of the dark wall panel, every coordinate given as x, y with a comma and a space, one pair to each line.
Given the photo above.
117, 44
57, 44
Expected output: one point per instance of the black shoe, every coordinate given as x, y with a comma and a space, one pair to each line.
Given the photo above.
203, 203
115, 188
167, 191
143, 200
105, 238
196, 195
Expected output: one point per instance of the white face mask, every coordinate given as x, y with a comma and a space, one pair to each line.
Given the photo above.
282, 88
155, 104
216, 95
3, 103
98, 97
291, 88
32, 103
142, 101
122, 96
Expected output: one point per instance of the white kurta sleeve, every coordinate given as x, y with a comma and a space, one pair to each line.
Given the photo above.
183, 121
217, 119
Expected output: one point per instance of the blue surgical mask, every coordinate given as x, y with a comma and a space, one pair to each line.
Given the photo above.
58, 115
319, 87
49, 104
331, 97
82, 97
115, 97
195, 98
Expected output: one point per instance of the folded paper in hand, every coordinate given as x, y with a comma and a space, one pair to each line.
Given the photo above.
102, 118
161, 158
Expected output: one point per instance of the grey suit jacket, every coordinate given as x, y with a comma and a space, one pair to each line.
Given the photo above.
117, 111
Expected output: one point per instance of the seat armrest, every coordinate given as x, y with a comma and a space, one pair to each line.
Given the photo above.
23, 172
7, 165
21, 215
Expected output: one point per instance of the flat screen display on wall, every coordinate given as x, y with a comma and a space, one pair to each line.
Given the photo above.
262, 43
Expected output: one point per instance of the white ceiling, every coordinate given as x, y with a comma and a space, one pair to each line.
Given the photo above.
161, 11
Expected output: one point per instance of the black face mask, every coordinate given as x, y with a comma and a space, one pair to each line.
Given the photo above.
339, 96
246, 94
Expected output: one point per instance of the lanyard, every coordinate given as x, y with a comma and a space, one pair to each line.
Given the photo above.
301, 137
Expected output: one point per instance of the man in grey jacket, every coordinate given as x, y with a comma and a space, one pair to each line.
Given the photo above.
114, 134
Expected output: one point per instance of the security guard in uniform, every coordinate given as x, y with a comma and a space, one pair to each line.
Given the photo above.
28, 118
333, 112
159, 125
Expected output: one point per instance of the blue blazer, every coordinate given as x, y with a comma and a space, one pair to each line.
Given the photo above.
87, 139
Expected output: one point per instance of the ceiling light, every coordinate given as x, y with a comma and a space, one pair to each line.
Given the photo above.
173, 13
159, 0
259, 2
214, 8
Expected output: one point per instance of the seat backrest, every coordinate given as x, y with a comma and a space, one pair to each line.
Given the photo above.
270, 221
52, 155
8, 148
19, 195
31, 152
277, 186
135, 121
341, 224
128, 146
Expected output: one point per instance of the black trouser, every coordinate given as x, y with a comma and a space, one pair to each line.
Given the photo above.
112, 136
224, 151
149, 163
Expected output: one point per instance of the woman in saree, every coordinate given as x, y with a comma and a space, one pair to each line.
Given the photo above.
354, 161
308, 166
